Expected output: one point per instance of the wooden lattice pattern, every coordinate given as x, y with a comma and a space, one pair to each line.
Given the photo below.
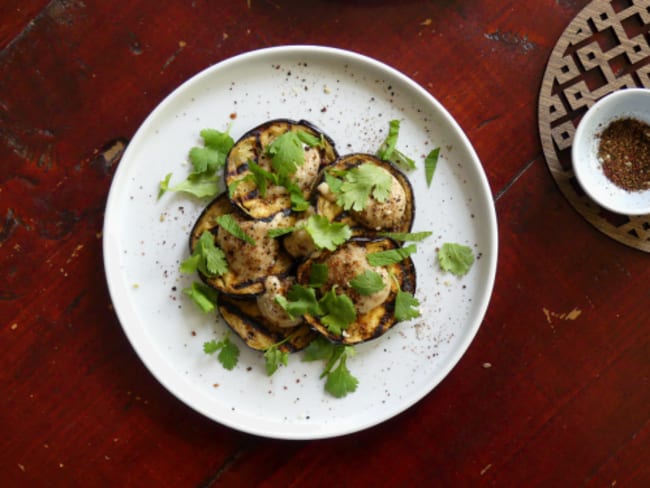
605, 48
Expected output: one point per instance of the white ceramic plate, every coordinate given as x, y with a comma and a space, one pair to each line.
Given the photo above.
352, 98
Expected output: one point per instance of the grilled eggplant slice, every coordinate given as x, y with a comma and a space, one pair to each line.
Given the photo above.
248, 264
243, 316
344, 263
252, 146
396, 214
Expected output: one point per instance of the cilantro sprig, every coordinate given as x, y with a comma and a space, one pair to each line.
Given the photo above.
207, 258
260, 177
388, 150
287, 151
360, 183
198, 185
300, 300
338, 311
207, 161
228, 352
335, 310
325, 234
274, 357
406, 306
340, 381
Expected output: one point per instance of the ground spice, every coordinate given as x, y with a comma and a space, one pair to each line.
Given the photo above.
624, 151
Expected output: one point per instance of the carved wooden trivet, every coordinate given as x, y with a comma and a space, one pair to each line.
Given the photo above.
605, 48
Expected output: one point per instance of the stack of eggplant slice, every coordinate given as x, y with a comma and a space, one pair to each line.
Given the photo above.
268, 266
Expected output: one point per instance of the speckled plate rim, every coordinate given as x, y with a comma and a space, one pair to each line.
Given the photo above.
354, 413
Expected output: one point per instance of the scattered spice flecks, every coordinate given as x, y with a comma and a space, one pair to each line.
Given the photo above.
624, 152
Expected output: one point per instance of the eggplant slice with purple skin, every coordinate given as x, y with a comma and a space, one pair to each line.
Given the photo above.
379, 319
252, 146
250, 280
245, 319
394, 215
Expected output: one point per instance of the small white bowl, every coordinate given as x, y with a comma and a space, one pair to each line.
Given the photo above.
626, 103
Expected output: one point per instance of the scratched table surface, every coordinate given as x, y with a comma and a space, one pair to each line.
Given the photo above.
554, 389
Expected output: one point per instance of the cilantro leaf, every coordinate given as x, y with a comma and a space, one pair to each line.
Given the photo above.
163, 186
298, 201
339, 311
228, 223
203, 181
336, 352
212, 157
430, 164
310, 139
211, 347
206, 160
386, 149
318, 349
286, 153
361, 182
192, 263
215, 260
207, 258
368, 282
300, 300
326, 234
228, 354
384, 258
274, 357
199, 185
340, 381
455, 258
202, 295
333, 182
401, 159
405, 306
232, 187
217, 140
279, 231
407, 236
318, 274
261, 177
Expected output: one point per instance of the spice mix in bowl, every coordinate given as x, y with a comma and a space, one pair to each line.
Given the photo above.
611, 152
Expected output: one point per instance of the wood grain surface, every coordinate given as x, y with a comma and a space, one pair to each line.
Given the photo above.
554, 390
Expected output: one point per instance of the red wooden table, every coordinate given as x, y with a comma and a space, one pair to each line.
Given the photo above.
554, 390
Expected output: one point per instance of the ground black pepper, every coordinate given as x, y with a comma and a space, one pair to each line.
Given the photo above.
624, 151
